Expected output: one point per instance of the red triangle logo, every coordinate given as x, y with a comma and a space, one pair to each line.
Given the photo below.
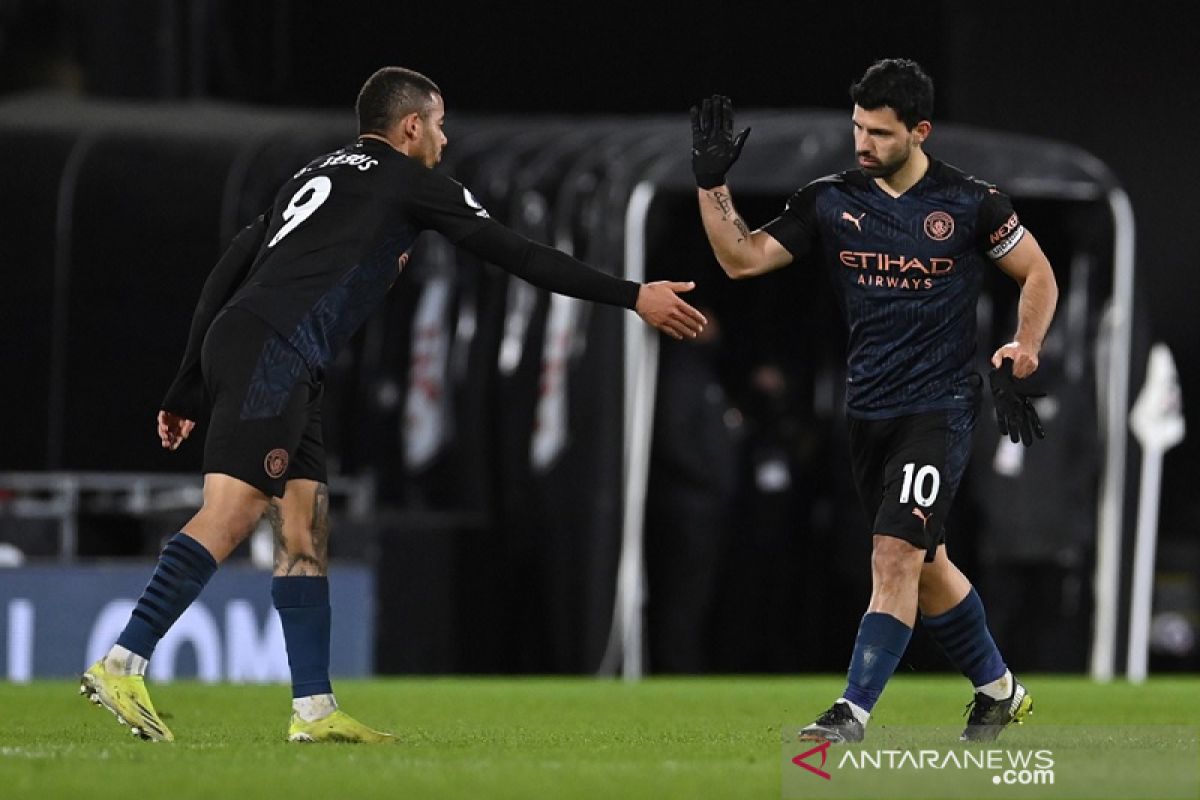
822, 748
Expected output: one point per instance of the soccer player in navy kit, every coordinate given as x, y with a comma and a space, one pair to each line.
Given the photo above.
288, 293
906, 239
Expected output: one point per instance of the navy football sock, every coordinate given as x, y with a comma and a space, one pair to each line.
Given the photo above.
303, 605
963, 635
184, 566
881, 641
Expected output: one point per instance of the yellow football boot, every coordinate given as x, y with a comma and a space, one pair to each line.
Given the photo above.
337, 727
126, 697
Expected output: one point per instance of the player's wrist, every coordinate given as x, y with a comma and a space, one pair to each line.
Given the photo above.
710, 180
1028, 344
1026, 340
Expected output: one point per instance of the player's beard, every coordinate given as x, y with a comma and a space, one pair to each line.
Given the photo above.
431, 155
428, 150
885, 169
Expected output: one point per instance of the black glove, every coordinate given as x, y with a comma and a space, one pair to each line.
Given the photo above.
714, 147
1015, 415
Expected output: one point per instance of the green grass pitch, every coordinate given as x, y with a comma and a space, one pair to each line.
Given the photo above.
505, 737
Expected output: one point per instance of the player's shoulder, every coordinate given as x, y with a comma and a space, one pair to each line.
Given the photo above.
848, 179
439, 189
837, 182
951, 177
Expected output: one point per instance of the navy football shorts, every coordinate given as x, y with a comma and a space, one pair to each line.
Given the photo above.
265, 427
907, 469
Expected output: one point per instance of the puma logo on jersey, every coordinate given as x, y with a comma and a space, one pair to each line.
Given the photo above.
921, 515
846, 215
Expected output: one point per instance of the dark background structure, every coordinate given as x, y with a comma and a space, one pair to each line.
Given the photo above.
1119, 81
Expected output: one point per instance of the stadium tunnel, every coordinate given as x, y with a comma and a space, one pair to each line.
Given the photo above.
479, 405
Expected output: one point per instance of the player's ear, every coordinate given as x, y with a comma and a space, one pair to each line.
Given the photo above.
922, 130
411, 126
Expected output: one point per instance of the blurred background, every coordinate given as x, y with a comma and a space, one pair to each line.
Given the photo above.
478, 428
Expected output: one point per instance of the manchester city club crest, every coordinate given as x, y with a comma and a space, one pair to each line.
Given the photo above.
276, 463
939, 226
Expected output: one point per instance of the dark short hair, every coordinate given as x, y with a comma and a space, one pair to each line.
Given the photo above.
898, 83
390, 95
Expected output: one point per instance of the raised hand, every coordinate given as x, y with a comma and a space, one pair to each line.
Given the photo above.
714, 147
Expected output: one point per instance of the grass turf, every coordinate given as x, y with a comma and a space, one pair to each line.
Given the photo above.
508, 737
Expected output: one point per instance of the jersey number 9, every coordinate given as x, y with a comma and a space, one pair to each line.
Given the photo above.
315, 192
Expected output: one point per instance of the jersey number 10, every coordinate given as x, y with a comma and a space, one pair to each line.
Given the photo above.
296, 211
924, 488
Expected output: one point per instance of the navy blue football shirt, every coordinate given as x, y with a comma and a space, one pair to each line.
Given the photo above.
338, 236
907, 271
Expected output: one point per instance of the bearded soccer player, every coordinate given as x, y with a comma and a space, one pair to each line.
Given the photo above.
285, 297
906, 239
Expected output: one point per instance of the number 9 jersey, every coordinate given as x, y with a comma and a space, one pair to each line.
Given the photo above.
338, 236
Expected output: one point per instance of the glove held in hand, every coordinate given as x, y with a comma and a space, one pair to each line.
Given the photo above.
1015, 415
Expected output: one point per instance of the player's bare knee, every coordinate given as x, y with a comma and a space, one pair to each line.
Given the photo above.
895, 559
222, 527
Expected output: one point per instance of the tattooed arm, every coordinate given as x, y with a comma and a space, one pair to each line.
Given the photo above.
742, 253
715, 149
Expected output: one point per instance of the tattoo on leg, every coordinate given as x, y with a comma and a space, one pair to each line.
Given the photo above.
293, 560
320, 526
274, 515
304, 564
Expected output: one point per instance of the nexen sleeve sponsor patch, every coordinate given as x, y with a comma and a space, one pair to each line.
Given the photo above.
1005, 238
998, 226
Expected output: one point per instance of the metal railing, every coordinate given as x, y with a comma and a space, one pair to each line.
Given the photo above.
65, 496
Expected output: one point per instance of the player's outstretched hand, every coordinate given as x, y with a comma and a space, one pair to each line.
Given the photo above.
1015, 415
173, 429
714, 147
659, 305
